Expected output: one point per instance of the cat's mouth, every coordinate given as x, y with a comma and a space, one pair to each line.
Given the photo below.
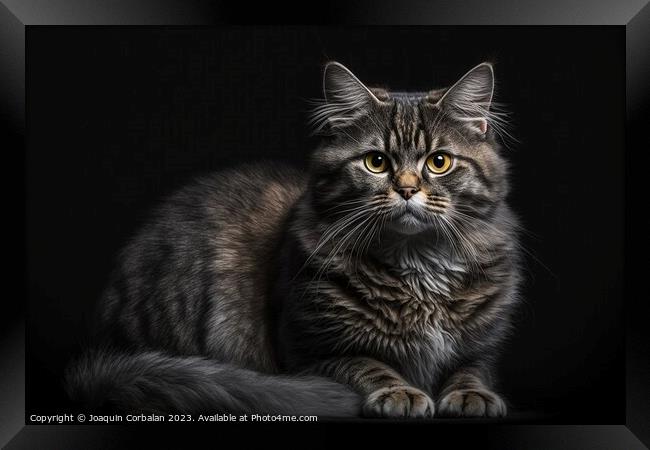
411, 210
410, 219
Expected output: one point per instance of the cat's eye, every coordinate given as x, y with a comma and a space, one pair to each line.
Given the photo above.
376, 162
439, 162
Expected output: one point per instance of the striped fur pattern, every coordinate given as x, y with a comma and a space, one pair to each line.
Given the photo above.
383, 303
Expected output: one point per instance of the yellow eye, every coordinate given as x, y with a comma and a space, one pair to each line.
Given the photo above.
439, 162
376, 162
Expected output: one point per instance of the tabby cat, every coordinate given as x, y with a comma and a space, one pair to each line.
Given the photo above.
379, 283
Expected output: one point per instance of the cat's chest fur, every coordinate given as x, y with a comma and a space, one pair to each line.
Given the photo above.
427, 273
408, 303
406, 298
418, 281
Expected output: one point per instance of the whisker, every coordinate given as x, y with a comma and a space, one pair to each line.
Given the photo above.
330, 233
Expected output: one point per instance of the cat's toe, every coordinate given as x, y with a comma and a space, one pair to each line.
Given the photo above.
398, 401
472, 403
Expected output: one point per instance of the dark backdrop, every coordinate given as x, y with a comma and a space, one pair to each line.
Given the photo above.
118, 117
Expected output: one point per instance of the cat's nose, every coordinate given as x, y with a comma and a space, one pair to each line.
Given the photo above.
407, 191
406, 183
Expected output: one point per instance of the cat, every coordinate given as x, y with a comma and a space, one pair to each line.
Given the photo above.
379, 283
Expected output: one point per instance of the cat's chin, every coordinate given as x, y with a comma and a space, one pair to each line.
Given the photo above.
409, 225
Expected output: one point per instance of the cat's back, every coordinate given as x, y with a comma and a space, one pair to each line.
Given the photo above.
196, 278
242, 214
239, 210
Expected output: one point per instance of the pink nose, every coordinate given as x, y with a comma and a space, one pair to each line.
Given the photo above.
407, 192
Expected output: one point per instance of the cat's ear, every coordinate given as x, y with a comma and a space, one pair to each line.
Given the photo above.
470, 98
346, 98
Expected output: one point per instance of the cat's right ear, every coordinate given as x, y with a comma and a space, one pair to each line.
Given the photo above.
346, 99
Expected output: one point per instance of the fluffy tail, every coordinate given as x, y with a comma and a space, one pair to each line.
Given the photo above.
157, 383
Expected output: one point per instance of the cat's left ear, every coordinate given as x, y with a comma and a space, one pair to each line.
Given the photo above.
470, 98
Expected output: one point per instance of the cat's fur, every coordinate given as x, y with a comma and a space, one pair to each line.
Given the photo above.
264, 289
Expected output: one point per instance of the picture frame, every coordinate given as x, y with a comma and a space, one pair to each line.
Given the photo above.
634, 16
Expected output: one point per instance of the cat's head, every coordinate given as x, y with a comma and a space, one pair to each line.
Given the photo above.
409, 161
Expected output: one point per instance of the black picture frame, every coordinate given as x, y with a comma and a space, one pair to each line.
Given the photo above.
17, 15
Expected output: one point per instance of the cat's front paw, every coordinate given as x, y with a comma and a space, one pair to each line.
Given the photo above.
398, 401
472, 403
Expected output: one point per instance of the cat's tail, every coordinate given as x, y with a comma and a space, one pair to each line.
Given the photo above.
157, 383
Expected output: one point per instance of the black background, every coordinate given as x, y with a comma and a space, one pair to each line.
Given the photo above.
119, 117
